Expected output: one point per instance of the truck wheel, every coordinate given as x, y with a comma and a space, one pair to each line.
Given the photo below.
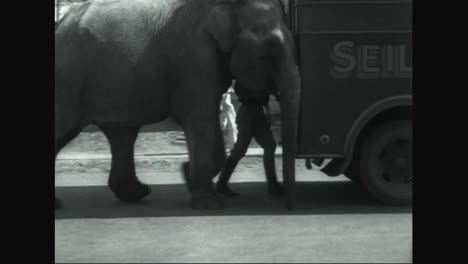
353, 171
386, 163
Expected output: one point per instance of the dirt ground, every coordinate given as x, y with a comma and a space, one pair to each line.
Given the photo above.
158, 138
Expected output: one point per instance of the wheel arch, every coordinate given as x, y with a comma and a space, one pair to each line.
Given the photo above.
388, 109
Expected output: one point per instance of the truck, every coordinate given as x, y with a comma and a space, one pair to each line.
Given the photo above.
355, 58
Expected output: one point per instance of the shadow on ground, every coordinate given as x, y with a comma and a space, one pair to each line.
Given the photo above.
172, 200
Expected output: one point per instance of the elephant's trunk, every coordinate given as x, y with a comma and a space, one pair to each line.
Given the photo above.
289, 86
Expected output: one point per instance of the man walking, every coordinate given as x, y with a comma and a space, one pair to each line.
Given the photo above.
252, 122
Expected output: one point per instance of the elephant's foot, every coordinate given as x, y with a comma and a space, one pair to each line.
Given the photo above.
226, 191
130, 191
58, 204
206, 202
275, 189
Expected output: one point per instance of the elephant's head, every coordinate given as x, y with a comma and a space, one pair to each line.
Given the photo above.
262, 54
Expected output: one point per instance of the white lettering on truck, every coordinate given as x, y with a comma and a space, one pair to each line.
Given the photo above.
369, 61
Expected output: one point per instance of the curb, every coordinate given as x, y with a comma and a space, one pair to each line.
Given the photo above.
252, 152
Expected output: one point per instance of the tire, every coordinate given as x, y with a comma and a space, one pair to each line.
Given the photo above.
386, 163
353, 171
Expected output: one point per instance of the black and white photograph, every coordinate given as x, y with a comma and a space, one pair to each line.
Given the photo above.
233, 131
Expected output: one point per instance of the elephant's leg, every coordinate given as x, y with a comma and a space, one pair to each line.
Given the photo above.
186, 174
63, 135
237, 153
122, 179
267, 142
207, 156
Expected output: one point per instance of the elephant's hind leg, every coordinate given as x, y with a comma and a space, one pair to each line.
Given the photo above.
64, 133
122, 180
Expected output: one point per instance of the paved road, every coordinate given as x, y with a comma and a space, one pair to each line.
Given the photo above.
335, 220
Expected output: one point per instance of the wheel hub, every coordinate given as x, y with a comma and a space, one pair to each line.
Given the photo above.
401, 163
395, 162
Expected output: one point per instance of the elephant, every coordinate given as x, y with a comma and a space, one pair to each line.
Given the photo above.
123, 64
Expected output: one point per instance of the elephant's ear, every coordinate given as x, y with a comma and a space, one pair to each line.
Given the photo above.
220, 24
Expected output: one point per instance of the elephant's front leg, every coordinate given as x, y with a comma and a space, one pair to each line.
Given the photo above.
122, 179
207, 157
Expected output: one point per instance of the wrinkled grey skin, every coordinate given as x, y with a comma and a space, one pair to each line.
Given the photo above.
122, 64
